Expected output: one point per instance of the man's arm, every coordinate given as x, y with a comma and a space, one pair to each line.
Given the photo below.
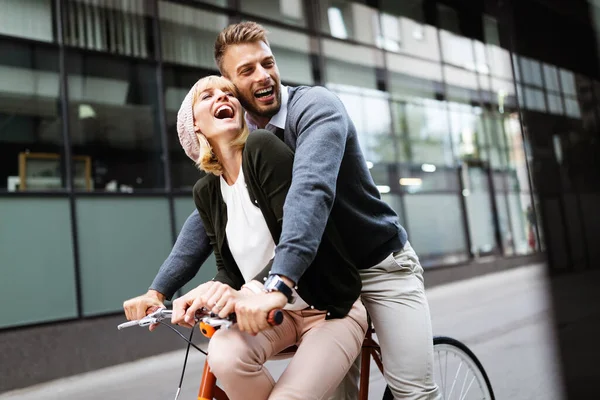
322, 125
190, 251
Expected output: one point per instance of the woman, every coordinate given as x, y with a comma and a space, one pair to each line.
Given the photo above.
240, 202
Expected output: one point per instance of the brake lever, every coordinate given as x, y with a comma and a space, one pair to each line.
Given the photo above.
152, 318
216, 321
156, 316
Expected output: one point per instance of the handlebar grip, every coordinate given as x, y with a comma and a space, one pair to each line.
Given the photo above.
275, 317
127, 324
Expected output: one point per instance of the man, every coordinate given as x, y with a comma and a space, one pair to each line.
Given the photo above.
330, 177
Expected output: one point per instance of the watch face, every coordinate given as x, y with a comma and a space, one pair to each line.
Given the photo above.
270, 283
275, 283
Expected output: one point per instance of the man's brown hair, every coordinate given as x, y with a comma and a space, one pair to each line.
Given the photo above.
242, 32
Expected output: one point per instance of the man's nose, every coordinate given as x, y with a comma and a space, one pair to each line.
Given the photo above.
262, 74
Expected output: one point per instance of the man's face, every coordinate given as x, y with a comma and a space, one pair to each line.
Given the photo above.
252, 69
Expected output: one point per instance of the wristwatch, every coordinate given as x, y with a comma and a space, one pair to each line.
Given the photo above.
275, 283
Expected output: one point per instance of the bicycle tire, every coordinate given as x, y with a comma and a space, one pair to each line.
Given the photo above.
448, 341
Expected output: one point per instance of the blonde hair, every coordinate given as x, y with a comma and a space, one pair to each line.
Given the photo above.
243, 32
207, 159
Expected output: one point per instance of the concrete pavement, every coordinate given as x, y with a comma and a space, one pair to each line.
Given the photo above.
504, 318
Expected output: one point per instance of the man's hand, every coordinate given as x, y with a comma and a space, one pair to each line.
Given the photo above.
139, 307
252, 311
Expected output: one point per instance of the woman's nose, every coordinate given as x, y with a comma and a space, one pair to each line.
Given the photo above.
220, 95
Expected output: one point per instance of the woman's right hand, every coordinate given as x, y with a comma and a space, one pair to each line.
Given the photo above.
193, 300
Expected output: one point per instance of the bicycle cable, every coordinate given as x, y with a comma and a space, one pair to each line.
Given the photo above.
189, 341
187, 352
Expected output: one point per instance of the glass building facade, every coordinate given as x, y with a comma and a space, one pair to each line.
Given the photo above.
94, 185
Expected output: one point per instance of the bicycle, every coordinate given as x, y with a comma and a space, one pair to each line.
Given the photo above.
474, 375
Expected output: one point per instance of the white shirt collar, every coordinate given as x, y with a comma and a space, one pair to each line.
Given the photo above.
278, 120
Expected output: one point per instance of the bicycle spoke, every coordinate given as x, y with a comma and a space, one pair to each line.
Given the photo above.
466, 381
446, 374
470, 384
462, 389
441, 375
454, 381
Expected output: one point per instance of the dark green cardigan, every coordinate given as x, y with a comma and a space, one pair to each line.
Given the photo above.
331, 282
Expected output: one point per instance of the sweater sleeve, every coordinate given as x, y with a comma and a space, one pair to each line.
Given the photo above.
322, 126
190, 251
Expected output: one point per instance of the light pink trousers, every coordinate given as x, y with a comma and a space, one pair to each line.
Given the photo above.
326, 350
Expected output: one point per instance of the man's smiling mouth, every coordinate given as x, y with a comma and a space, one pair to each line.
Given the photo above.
264, 92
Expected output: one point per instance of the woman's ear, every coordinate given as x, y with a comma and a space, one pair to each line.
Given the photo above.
196, 127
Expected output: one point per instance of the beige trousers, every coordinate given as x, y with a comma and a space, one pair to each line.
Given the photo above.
326, 350
394, 295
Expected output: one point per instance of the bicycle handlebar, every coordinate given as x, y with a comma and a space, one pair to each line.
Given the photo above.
274, 318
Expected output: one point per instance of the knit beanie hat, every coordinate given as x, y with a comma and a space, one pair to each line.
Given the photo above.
185, 126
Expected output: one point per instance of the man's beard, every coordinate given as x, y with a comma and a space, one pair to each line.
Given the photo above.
264, 113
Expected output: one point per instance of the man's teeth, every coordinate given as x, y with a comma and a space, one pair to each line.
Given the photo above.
263, 92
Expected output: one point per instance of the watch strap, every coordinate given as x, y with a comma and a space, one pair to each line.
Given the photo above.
275, 283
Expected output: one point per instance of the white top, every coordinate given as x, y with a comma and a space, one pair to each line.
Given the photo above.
248, 235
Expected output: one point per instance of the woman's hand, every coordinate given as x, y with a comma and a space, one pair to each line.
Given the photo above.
192, 301
224, 299
214, 296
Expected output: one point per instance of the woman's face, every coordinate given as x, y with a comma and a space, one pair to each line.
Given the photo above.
217, 112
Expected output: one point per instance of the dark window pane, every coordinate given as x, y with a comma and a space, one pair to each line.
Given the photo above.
118, 27
412, 9
448, 19
178, 81
31, 141
220, 3
490, 30
114, 121
188, 34
531, 71
286, 11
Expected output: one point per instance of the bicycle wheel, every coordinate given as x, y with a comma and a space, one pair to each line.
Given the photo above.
457, 372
